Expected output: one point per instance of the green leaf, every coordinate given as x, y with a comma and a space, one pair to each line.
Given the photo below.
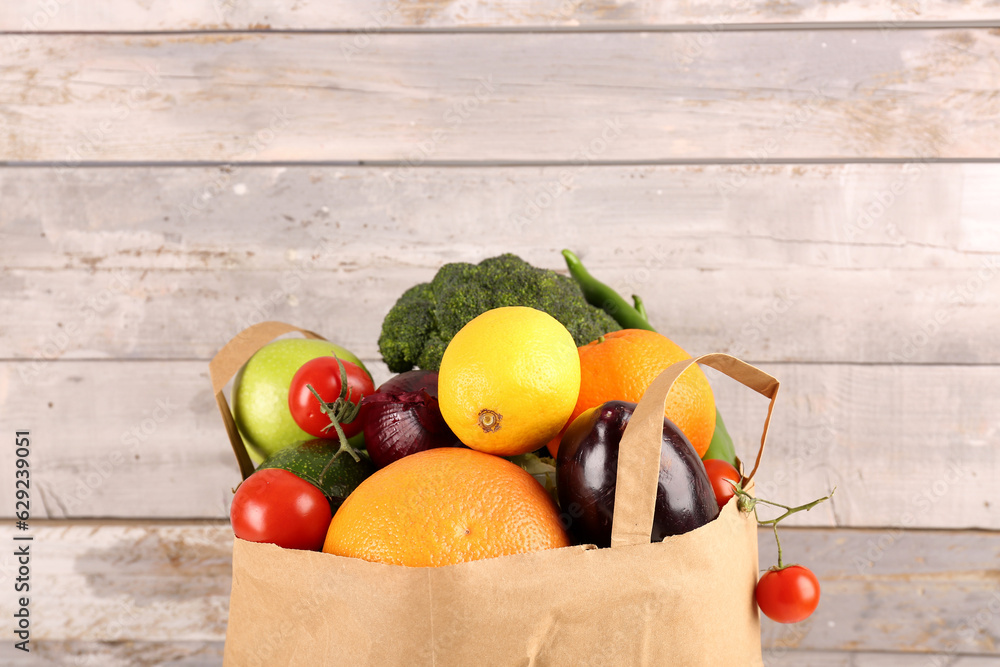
543, 469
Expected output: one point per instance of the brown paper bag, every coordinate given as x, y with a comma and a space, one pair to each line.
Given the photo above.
688, 600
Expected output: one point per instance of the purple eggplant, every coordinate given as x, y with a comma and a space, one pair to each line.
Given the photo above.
587, 467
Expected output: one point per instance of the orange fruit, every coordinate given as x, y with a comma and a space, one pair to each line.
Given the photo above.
445, 506
623, 365
509, 380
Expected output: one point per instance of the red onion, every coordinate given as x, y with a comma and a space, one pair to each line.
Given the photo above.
402, 417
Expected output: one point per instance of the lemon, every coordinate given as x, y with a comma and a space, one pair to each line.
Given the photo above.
509, 380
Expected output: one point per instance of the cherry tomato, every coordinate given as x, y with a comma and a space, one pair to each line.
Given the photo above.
323, 374
788, 595
720, 473
276, 506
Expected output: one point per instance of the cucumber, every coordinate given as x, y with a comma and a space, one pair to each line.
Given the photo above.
316, 461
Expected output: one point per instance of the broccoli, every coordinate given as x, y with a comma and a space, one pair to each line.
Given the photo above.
418, 328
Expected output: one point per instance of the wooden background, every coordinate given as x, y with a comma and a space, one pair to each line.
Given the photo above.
810, 185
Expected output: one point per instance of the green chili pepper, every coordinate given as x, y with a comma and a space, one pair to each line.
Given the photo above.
721, 446
600, 295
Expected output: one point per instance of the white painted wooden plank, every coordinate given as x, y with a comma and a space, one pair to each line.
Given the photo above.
901, 444
779, 657
524, 96
163, 15
923, 592
789, 247
121, 653
906, 446
170, 583
209, 654
793, 313
118, 582
845, 216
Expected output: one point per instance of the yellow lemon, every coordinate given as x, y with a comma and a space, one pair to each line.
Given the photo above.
509, 380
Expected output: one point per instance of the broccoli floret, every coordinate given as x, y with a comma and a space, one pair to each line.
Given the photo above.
418, 328
411, 322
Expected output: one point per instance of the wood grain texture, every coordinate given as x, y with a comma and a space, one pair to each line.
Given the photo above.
706, 217
170, 583
869, 289
131, 653
906, 446
777, 657
922, 592
119, 653
784, 314
878, 263
580, 97
164, 15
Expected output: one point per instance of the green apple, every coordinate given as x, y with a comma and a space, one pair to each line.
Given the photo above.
260, 393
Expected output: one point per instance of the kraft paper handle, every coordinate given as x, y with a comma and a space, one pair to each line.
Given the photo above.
639, 451
227, 363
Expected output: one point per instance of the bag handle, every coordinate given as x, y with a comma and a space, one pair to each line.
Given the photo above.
227, 363
639, 451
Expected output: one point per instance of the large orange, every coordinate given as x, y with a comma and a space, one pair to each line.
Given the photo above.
622, 364
445, 506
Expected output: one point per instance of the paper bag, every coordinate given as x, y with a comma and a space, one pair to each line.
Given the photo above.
688, 600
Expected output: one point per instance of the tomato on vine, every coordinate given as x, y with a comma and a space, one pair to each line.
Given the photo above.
326, 394
786, 593
789, 594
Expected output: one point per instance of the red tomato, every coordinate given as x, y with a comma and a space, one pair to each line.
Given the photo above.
276, 506
720, 473
323, 374
788, 595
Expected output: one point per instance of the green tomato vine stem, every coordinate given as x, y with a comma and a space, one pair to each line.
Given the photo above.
748, 503
775, 527
340, 411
